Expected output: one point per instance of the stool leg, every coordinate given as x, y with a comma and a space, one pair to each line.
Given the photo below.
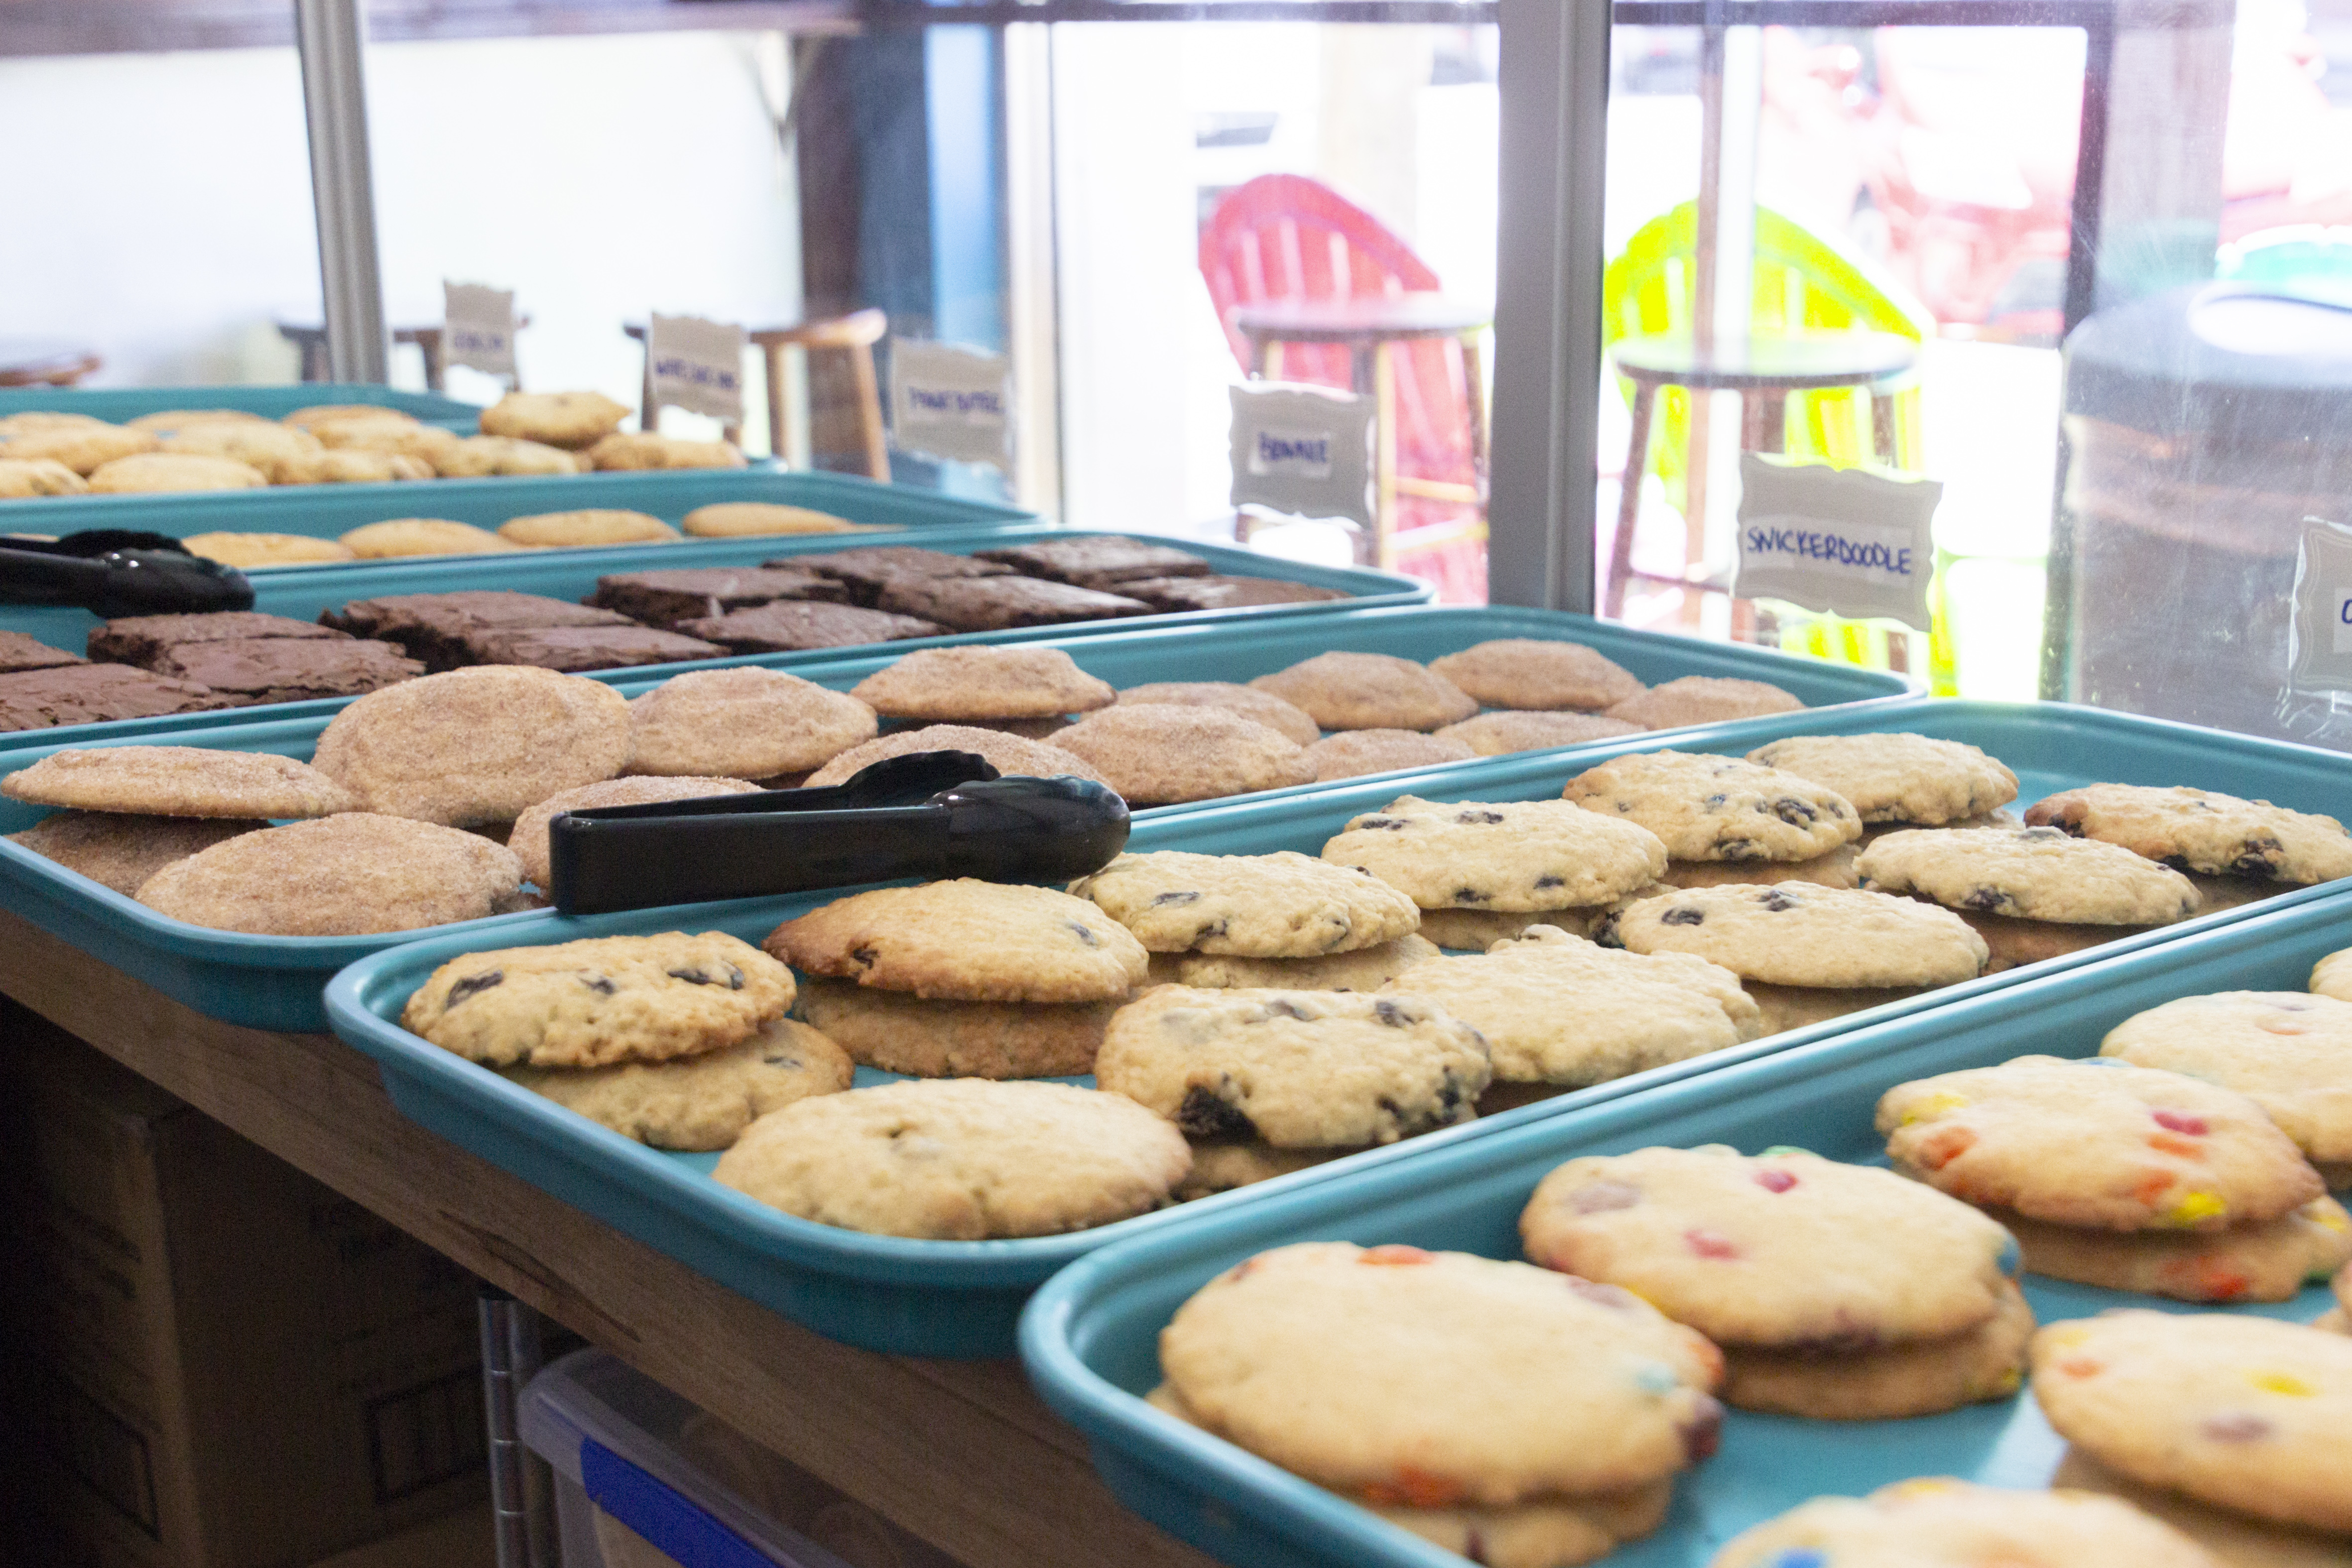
1773, 422
773, 354
1629, 502
1384, 438
437, 370
649, 412
869, 412
1882, 429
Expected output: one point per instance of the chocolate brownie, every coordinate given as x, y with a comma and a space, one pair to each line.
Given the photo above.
88, 693
787, 624
141, 639
667, 598
18, 651
572, 648
994, 603
434, 627
287, 669
1097, 560
868, 570
1173, 593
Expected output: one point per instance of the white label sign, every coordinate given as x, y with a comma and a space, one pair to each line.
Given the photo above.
950, 401
698, 365
1305, 450
1839, 541
478, 328
2319, 650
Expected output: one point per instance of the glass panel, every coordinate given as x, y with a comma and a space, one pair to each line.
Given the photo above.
2124, 305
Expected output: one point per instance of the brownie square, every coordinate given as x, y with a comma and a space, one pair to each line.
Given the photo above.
866, 570
572, 648
996, 603
18, 651
1174, 593
667, 598
287, 669
434, 627
140, 639
786, 625
1097, 560
90, 694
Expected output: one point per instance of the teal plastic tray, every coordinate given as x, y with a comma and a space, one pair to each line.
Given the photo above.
960, 1299
1090, 1336
326, 511
119, 405
274, 982
571, 575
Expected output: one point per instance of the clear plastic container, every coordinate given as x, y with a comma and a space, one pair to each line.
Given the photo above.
646, 1479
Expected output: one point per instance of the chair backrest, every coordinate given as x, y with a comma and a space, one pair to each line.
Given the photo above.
1284, 237
1801, 280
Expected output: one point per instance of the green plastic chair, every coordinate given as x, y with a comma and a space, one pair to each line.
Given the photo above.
1802, 282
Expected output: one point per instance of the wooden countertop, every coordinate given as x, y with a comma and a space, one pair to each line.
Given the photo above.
961, 1453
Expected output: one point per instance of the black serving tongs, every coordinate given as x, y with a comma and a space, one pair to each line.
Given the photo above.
118, 571
933, 814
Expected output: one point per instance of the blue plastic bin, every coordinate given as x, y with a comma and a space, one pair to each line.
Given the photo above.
960, 1297
118, 405
1090, 1336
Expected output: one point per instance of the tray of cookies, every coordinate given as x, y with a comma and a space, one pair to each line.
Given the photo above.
321, 635
173, 406
499, 751
1706, 1326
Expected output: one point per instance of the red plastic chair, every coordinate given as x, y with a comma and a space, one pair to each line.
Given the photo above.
1283, 237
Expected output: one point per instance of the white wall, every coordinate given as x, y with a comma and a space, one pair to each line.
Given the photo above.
163, 209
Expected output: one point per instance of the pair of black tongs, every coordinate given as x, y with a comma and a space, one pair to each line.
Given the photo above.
118, 571
933, 814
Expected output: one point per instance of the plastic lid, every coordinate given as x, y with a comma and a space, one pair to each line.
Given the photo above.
2261, 364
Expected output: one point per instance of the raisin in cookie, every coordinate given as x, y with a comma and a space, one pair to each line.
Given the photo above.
1281, 905
2028, 874
2243, 1411
1500, 856
2095, 1142
1368, 691
1555, 1009
966, 940
1534, 673
960, 1159
2203, 831
1897, 778
703, 1101
1707, 807
1297, 1068
605, 999
1436, 1379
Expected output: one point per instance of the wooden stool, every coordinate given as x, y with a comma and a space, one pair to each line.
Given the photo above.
44, 362
1365, 326
1764, 371
853, 335
428, 341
